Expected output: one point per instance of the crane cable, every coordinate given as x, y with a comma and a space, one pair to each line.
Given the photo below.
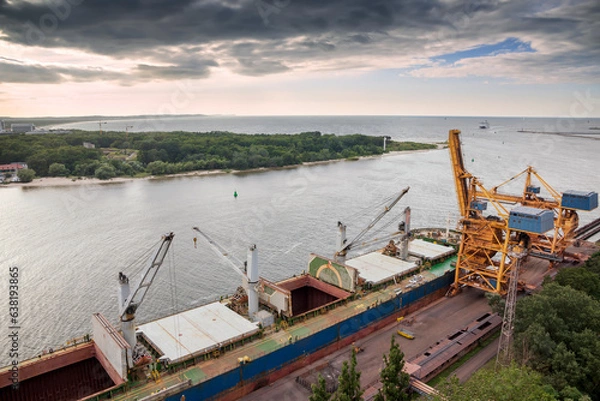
139, 262
173, 288
367, 211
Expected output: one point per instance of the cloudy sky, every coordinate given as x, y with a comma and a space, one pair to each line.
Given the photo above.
290, 57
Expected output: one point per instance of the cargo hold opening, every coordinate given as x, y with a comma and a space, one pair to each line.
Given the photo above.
309, 293
63, 375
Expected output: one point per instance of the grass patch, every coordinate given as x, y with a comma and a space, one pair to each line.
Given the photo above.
400, 146
450, 369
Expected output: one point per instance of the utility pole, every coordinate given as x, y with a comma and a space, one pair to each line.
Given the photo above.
504, 355
127, 132
100, 125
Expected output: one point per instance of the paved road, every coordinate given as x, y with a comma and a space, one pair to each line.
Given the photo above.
430, 325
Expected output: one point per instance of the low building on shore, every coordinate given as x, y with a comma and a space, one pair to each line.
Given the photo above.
9, 171
22, 128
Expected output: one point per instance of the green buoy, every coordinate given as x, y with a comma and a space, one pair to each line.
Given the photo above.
235, 194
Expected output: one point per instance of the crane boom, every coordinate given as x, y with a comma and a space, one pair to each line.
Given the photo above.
219, 250
348, 246
461, 175
136, 296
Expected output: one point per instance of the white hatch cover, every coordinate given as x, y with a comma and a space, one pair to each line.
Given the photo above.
196, 331
377, 268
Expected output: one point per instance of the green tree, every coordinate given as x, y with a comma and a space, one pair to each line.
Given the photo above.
580, 278
105, 172
496, 302
556, 333
38, 163
157, 167
349, 382
58, 170
511, 383
593, 263
396, 382
26, 175
319, 391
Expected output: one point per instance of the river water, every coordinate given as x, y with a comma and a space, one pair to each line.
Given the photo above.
70, 242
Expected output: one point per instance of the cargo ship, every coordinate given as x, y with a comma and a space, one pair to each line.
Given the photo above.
226, 349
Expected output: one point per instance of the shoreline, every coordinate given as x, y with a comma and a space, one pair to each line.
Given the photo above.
69, 181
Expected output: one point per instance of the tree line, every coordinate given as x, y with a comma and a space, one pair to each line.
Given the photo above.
557, 332
131, 154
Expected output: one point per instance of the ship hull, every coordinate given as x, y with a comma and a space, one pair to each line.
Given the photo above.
265, 370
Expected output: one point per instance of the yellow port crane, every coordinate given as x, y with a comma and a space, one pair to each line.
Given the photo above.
485, 257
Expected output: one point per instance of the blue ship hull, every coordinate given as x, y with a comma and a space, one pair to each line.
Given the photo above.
278, 359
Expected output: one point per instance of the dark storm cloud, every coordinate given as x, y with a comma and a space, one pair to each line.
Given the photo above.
258, 37
311, 44
14, 71
256, 68
191, 70
17, 72
362, 39
116, 26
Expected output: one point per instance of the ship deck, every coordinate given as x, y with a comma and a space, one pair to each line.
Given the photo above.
274, 340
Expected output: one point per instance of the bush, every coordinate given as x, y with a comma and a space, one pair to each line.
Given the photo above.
26, 175
157, 168
58, 170
105, 172
87, 169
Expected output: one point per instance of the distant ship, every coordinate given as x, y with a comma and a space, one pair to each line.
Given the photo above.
484, 124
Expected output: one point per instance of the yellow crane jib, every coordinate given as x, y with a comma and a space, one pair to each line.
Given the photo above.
543, 226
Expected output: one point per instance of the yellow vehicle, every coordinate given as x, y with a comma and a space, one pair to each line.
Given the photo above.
406, 334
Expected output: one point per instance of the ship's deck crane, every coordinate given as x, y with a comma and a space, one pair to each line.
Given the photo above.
234, 262
344, 246
250, 278
484, 258
131, 298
